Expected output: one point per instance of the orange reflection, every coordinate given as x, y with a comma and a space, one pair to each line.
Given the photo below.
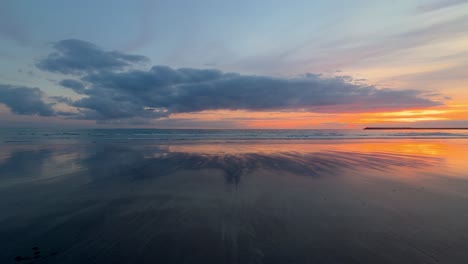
450, 154
452, 148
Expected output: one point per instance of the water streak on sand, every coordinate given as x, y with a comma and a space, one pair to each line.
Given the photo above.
277, 201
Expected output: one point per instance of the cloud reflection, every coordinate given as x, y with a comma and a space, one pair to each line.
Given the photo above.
111, 162
165, 202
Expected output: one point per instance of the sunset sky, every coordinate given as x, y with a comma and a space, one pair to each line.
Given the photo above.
234, 64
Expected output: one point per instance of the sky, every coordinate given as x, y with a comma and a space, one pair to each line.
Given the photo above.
234, 64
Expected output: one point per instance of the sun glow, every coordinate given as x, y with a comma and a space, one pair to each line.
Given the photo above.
310, 120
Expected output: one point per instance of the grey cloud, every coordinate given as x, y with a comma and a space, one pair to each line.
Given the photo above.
76, 86
25, 100
114, 91
162, 91
74, 56
106, 106
61, 99
71, 115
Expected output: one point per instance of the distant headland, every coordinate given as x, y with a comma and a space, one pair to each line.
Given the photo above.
415, 128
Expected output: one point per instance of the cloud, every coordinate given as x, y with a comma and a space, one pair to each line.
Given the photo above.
76, 86
74, 56
372, 50
25, 100
160, 91
117, 92
61, 99
115, 107
439, 4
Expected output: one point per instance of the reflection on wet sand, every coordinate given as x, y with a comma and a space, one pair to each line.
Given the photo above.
241, 202
234, 160
234, 166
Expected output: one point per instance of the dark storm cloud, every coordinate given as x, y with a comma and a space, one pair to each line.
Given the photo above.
77, 56
25, 100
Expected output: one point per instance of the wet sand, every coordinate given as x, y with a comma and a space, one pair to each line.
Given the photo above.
344, 201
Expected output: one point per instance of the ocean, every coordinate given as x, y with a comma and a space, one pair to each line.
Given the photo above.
233, 196
26, 135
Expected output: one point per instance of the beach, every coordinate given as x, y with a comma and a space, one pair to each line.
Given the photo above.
234, 132
378, 200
